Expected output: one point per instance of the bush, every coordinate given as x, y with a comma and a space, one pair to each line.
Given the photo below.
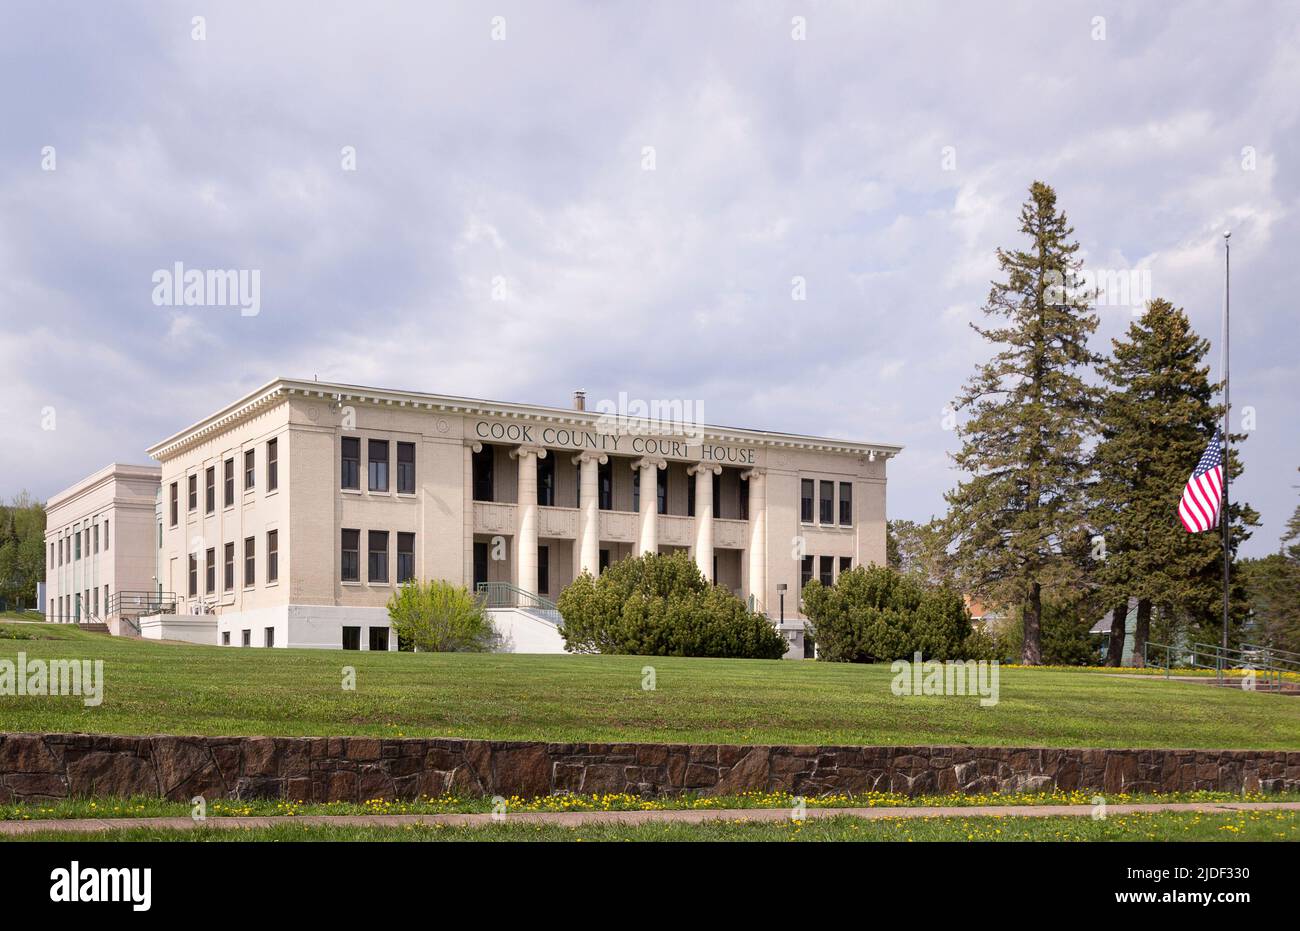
879, 614
439, 617
660, 605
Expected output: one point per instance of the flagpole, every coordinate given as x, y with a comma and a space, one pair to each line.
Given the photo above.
1224, 519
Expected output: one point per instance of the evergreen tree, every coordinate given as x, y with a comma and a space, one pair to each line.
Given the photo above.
1157, 420
1017, 522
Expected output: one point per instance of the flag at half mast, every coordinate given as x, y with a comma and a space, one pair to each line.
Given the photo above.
1203, 493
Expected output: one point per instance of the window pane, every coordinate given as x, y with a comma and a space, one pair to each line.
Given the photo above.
249, 472
377, 457
350, 472
377, 566
806, 500
272, 465
406, 468
827, 502
250, 566
351, 555
272, 555
846, 503
405, 557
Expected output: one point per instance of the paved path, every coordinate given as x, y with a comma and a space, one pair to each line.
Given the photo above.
580, 818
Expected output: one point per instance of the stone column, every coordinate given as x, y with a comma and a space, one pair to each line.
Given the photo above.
471, 447
704, 473
526, 528
758, 537
648, 540
589, 519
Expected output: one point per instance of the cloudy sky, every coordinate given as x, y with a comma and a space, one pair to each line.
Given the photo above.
641, 184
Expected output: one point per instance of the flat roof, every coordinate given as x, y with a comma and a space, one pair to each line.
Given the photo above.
280, 388
111, 471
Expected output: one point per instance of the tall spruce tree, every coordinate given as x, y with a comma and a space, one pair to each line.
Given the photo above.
1157, 419
1017, 523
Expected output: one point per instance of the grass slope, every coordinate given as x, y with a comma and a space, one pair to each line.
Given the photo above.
183, 689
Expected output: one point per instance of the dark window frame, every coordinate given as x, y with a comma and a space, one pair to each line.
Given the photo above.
405, 557
210, 490
250, 469
272, 464
350, 568
272, 556
229, 571
825, 504
350, 463
228, 480
846, 504
377, 468
807, 495
405, 468
250, 562
372, 564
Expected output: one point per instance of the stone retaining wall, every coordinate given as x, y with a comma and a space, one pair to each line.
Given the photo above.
321, 769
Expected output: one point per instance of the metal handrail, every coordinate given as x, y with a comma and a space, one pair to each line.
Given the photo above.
508, 595
1211, 656
139, 602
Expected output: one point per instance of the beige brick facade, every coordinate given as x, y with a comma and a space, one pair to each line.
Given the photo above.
561, 498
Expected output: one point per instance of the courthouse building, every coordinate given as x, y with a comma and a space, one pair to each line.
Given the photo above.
289, 517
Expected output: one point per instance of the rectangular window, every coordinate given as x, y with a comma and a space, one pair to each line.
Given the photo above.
225, 638
605, 478
377, 462
246, 638
94, 603
250, 561
377, 552
661, 491
194, 575
405, 557
546, 481
603, 562
272, 465
718, 510
350, 563
690, 496
543, 570
351, 638
230, 566
379, 638
105, 534
230, 482
827, 500
481, 463
744, 498
210, 571
636, 491
405, 470
173, 512
846, 563
827, 574
272, 555
95, 538
210, 489
269, 637
76, 553
250, 470
805, 571
846, 504
350, 464
806, 500
192, 493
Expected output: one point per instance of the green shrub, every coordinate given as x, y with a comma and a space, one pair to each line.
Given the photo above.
660, 605
879, 614
439, 617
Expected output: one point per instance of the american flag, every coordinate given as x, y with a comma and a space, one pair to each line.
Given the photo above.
1203, 494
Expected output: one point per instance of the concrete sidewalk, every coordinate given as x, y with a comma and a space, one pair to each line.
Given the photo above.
580, 818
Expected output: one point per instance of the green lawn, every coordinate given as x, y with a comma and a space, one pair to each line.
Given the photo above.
1270, 826
179, 689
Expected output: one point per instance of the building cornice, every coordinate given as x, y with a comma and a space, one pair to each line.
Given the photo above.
111, 473
282, 389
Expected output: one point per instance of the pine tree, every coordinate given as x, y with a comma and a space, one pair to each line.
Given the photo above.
1017, 522
1157, 419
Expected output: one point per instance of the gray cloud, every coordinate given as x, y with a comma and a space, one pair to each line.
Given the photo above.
522, 159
